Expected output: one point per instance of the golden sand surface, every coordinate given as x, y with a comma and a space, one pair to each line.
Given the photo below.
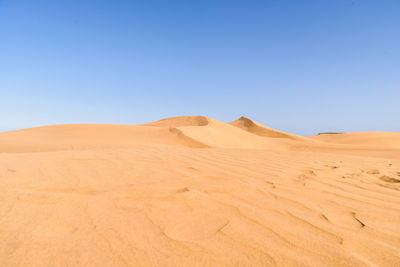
195, 191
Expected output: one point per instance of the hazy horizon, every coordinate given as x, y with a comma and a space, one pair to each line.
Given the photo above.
298, 67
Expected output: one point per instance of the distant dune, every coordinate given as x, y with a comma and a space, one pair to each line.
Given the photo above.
195, 191
383, 139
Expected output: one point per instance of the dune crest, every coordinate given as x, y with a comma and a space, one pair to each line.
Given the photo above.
194, 132
85, 136
190, 131
181, 121
261, 130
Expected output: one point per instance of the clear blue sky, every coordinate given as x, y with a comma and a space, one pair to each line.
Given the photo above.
298, 66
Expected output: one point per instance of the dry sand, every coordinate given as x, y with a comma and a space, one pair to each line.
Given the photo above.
194, 191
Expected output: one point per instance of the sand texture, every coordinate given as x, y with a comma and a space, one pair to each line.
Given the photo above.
195, 191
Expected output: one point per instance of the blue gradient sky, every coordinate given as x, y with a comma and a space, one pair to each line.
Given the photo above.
298, 66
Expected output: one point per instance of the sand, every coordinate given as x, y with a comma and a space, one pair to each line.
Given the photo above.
195, 191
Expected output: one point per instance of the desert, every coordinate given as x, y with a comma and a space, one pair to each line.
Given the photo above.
196, 191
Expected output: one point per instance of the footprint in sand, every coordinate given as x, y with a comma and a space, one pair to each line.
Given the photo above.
182, 190
192, 168
332, 167
389, 179
309, 172
373, 172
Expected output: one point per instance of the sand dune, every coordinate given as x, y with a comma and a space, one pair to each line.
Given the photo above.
83, 136
381, 139
214, 133
181, 121
195, 191
261, 130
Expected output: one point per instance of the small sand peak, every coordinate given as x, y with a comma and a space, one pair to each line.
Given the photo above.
245, 121
256, 128
244, 118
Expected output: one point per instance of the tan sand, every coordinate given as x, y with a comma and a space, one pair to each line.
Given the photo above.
382, 139
194, 191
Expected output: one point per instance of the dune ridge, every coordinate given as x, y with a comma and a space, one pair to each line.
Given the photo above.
382, 139
181, 121
195, 191
194, 132
217, 134
261, 130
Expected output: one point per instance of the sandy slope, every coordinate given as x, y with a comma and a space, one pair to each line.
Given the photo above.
194, 191
261, 130
381, 139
